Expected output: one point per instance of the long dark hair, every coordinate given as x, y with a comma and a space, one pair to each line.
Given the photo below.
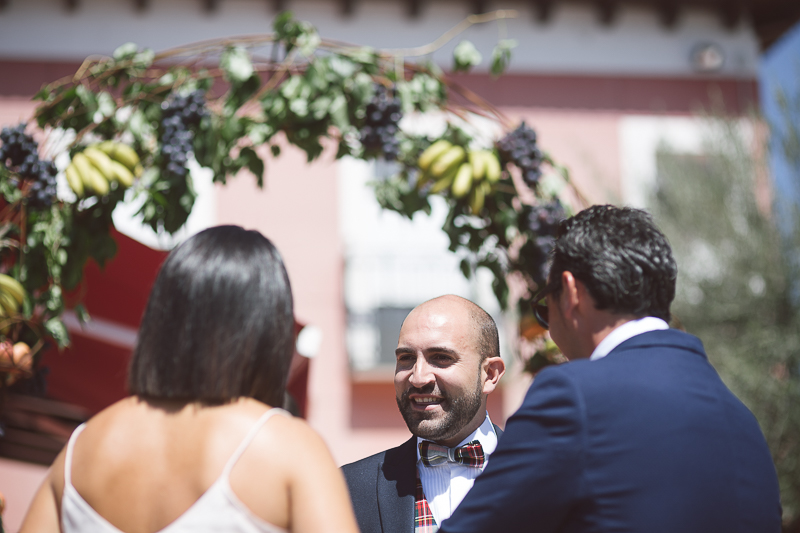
219, 323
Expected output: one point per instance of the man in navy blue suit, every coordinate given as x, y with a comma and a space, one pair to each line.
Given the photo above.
637, 433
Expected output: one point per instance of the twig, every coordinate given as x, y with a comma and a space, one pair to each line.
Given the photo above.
275, 79
471, 20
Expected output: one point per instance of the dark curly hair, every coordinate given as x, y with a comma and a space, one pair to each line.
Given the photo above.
621, 257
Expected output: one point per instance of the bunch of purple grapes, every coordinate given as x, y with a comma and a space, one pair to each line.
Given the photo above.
379, 134
519, 147
542, 221
178, 116
20, 154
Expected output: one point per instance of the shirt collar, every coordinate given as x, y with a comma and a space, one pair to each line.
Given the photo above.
625, 332
485, 434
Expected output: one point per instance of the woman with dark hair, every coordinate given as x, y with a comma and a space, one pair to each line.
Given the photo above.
199, 446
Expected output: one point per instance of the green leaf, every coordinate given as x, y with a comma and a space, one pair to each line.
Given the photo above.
291, 88
44, 94
81, 313
465, 56
299, 106
281, 24
58, 331
308, 42
87, 98
249, 158
364, 55
501, 56
466, 268
260, 133
338, 112
235, 62
144, 58
126, 51
106, 105
241, 93
342, 67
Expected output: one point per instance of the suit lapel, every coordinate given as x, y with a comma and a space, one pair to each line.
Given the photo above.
397, 477
498, 431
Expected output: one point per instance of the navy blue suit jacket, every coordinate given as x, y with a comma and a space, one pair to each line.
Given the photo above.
383, 486
647, 439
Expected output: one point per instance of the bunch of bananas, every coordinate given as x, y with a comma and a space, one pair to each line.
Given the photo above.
12, 294
94, 169
451, 166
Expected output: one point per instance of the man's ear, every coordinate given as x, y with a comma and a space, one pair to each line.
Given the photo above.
493, 370
572, 291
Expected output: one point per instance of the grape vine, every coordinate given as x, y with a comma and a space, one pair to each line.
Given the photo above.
133, 125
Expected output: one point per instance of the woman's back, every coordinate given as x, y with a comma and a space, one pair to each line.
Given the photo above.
141, 467
215, 346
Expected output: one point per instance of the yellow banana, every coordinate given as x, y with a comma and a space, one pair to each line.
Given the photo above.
493, 170
107, 147
74, 179
8, 305
91, 177
463, 181
128, 157
121, 173
100, 161
445, 181
449, 160
478, 197
122, 153
12, 287
478, 161
431, 153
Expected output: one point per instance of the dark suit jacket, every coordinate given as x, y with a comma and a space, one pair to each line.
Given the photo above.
382, 488
645, 440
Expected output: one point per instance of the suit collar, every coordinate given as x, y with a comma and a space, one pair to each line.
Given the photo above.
666, 338
627, 331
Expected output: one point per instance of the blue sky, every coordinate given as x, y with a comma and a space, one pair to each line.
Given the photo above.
780, 70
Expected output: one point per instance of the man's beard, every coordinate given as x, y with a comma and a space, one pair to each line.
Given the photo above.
460, 412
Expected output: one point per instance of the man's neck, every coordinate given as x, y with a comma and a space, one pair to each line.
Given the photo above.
599, 326
468, 430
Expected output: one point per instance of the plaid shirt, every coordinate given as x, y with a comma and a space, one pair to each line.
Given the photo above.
424, 522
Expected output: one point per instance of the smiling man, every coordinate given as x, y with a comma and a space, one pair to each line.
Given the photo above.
448, 362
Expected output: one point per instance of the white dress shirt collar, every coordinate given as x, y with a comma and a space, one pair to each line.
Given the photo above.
625, 332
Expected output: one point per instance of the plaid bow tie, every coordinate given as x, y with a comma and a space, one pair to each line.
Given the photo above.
470, 454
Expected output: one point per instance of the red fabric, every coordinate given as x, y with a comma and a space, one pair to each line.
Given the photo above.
92, 372
424, 522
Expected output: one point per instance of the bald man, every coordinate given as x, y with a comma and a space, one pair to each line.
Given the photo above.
448, 362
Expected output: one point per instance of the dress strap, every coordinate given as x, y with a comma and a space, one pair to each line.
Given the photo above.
68, 456
249, 438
